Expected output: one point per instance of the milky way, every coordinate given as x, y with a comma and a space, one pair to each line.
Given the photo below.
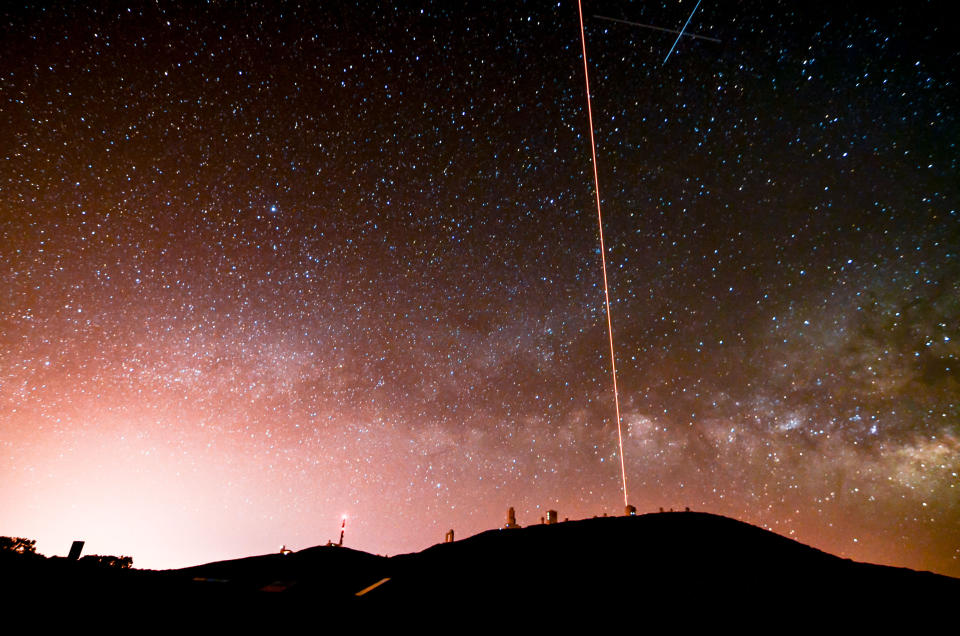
265, 265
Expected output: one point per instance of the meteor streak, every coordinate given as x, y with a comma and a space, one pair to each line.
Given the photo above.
681, 31
656, 28
603, 256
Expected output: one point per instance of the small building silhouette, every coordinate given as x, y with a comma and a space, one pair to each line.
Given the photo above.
511, 519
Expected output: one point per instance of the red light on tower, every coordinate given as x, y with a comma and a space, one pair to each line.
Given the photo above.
343, 527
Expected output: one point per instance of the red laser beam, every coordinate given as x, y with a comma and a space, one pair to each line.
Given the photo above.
603, 253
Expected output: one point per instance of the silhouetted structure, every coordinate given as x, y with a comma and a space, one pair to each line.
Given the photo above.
339, 544
630, 511
449, 537
552, 516
75, 549
511, 518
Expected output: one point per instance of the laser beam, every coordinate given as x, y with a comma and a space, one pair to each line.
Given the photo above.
603, 254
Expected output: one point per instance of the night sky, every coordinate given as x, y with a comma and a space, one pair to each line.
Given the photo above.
265, 265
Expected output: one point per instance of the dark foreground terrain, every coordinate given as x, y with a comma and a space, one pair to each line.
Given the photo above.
686, 566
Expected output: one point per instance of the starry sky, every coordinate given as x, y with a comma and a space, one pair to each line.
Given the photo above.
266, 264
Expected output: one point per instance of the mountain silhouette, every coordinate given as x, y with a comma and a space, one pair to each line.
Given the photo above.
686, 565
